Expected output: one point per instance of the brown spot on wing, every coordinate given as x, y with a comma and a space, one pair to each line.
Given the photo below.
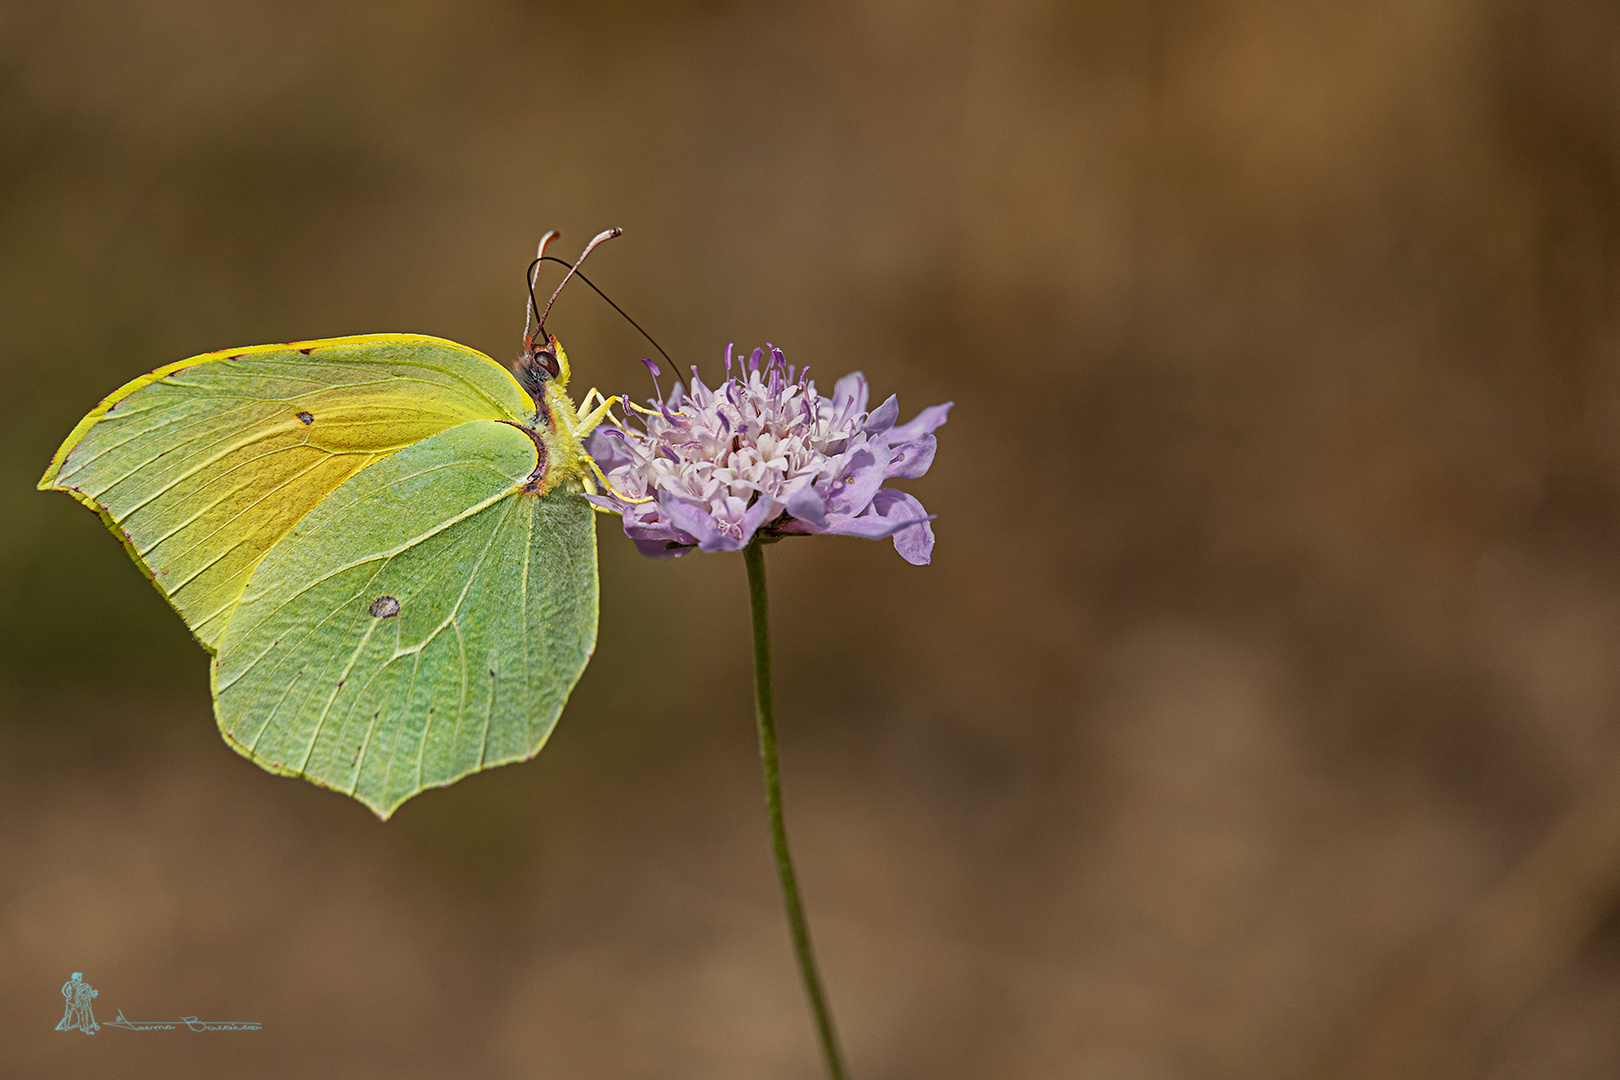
305, 418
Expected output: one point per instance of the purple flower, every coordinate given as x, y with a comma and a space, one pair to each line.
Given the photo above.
765, 454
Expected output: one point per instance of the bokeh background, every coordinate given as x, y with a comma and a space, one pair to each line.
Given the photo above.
1257, 717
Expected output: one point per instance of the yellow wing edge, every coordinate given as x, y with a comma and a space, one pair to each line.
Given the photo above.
48, 481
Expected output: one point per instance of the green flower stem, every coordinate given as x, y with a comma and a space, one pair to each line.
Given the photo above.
765, 713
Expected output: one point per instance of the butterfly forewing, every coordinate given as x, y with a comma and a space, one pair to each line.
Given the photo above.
426, 620
203, 466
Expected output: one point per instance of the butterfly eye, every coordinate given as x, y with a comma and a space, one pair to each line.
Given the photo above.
545, 358
537, 367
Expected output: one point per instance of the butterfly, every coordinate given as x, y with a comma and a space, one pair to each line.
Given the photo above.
381, 540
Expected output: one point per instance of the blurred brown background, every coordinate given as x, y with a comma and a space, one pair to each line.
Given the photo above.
1257, 717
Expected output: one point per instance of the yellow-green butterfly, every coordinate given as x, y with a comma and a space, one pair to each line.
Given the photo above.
380, 539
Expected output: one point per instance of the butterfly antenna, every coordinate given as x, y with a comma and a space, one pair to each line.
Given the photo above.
607, 234
611, 304
534, 272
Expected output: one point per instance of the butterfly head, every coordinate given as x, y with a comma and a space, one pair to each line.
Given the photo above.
542, 363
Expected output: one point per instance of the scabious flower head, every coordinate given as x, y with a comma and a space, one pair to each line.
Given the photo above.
766, 455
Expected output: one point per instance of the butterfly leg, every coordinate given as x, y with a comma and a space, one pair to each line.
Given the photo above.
616, 493
587, 424
590, 420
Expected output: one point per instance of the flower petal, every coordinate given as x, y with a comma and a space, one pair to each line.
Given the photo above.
896, 514
654, 529
851, 388
660, 549
689, 519
867, 526
922, 424
912, 459
806, 504
762, 511
853, 486
606, 446
883, 417
915, 543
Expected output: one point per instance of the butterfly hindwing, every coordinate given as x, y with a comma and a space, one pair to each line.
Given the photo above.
203, 466
427, 619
